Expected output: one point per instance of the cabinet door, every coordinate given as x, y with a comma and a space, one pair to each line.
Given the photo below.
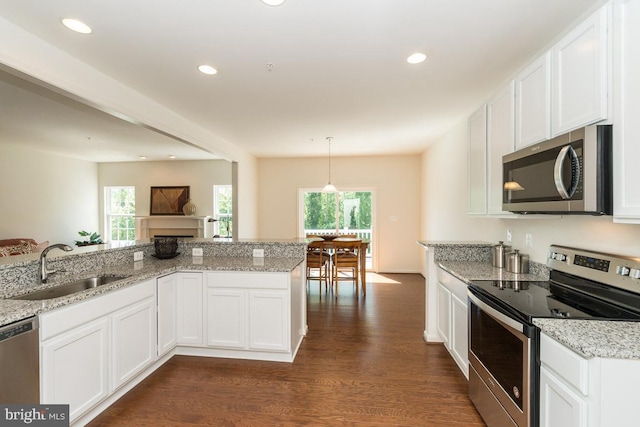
459, 333
580, 75
226, 313
478, 162
269, 320
560, 406
134, 340
167, 313
533, 102
500, 141
190, 308
75, 367
444, 314
626, 132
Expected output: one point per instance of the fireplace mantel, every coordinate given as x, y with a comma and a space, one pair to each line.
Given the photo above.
169, 225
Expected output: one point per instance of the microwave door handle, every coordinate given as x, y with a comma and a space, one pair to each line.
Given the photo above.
557, 172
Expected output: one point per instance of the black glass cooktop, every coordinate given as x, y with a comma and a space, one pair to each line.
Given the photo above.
549, 299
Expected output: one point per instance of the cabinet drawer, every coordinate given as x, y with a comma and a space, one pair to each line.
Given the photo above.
249, 280
455, 285
65, 318
565, 363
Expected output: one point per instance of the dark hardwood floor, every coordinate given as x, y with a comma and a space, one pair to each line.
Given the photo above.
363, 363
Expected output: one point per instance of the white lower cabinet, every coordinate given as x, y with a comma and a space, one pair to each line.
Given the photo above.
268, 320
444, 314
226, 313
560, 405
586, 392
248, 311
91, 348
564, 386
167, 313
75, 367
452, 318
133, 341
459, 330
189, 308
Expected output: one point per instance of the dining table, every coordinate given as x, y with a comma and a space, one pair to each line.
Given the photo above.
327, 243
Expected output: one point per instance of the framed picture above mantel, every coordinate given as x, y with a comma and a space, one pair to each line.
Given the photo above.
168, 200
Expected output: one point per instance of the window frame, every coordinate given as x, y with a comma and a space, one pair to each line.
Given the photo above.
110, 216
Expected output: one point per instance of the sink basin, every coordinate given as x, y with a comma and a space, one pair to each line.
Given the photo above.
70, 288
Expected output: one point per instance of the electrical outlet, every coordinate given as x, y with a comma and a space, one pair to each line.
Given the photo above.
137, 256
528, 240
509, 236
258, 253
196, 252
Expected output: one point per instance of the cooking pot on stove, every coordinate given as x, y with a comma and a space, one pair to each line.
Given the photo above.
499, 254
517, 262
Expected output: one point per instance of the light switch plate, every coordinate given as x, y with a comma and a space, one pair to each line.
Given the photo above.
258, 253
196, 252
137, 256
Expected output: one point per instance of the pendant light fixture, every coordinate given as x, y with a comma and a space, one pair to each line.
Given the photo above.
329, 188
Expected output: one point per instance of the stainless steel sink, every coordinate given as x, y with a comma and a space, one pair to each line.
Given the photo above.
70, 288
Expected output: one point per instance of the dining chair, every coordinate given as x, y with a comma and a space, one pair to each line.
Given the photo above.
318, 259
345, 263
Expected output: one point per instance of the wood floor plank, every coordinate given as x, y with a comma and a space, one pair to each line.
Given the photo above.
363, 363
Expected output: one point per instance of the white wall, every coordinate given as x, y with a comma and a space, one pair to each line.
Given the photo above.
445, 202
35, 57
46, 197
395, 181
199, 175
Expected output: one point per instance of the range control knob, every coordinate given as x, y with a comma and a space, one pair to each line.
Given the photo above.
634, 273
560, 257
622, 270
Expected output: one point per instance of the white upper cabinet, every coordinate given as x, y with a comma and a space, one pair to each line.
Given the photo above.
580, 63
478, 162
500, 141
533, 102
626, 110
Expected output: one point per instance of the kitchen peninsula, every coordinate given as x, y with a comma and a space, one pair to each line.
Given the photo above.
97, 344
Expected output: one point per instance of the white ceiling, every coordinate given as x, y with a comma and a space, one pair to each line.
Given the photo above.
339, 66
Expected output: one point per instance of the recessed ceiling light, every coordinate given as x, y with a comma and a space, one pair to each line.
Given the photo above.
77, 26
171, 156
416, 58
143, 157
273, 2
207, 69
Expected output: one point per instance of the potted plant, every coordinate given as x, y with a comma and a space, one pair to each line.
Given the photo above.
88, 239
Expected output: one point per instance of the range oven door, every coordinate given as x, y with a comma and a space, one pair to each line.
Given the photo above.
503, 379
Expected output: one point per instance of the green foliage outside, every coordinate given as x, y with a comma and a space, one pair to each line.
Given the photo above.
320, 210
225, 210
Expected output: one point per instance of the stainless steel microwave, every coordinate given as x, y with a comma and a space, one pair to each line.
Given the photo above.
569, 174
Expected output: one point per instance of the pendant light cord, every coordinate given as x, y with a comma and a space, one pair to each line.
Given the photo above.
329, 139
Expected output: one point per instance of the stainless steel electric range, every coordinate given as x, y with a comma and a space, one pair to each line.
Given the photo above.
504, 343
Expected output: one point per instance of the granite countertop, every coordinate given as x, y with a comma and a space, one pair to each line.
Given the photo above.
478, 270
14, 310
588, 338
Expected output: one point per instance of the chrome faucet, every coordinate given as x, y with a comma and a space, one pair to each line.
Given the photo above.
43, 272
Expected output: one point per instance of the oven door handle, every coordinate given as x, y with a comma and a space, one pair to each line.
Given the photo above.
496, 314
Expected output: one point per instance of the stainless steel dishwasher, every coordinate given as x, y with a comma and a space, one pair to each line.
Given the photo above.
20, 362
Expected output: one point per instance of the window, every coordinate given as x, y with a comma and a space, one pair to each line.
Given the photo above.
223, 210
344, 212
120, 210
